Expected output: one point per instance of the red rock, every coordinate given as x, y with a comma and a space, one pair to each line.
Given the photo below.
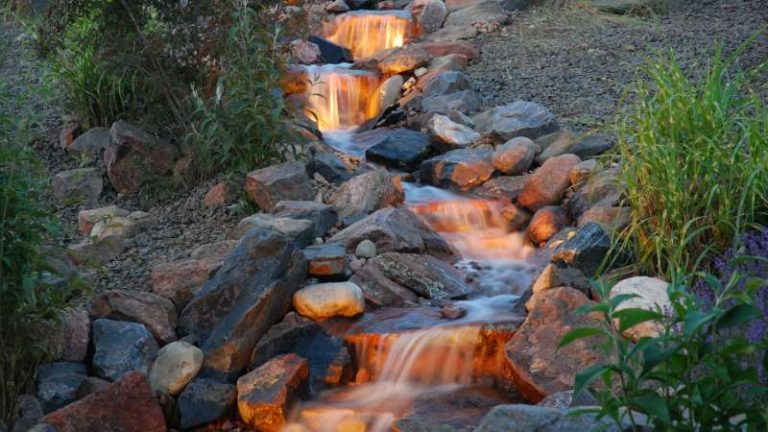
157, 313
439, 49
546, 223
219, 195
283, 182
127, 405
548, 183
73, 335
69, 131
178, 281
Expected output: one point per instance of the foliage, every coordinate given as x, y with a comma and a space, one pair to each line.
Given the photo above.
243, 125
693, 376
694, 158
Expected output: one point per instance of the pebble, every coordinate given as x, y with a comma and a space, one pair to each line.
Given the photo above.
365, 249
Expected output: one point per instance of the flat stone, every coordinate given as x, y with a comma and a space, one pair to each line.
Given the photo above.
157, 313
444, 82
300, 231
651, 295
546, 222
367, 193
425, 275
266, 394
515, 156
286, 181
519, 118
204, 401
403, 59
585, 251
326, 260
449, 134
461, 169
378, 289
401, 148
121, 347
323, 216
78, 186
179, 281
176, 365
548, 183
90, 144
326, 300
57, 383
465, 101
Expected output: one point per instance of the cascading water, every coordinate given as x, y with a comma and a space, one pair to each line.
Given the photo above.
339, 98
366, 33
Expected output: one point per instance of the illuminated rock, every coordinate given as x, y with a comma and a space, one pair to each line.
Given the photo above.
326, 300
176, 364
367, 193
555, 144
461, 168
515, 156
326, 260
400, 60
449, 133
300, 231
582, 171
546, 222
585, 250
651, 295
429, 14
546, 186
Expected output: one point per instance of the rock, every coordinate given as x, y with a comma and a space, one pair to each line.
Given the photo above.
113, 227
465, 101
485, 12
300, 231
180, 280
462, 168
503, 187
176, 365
517, 218
420, 72
389, 91
366, 193
265, 395
78, 186
555, 144
90, 144
286, 181
91, 385
444, 48
525, 418
582, 171
337, 6
86, 219
444, 82
403, 59
89, 252
452, 33
73, 336
449, 133
515, 156
554, 276
27, 413
134, 157
57, 383
449, 62
204, 401
219, 195
157, 313
365, 249
519, 118
328, 165
398, 230
380, 290
592, 145
548, 183
546, 222
652, 295
425, 275
538, 367
121, 347
69, 131
401, 148
216, 250
305, 52
127, 405
322, 216
251, 291
291, 335
330, 52
603, 188
612, 219
326, 260
429, 14
327, 300
585, 251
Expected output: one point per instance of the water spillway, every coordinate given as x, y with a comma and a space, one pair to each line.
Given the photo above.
366, 33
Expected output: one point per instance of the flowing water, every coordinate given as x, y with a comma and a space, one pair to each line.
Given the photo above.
366, 33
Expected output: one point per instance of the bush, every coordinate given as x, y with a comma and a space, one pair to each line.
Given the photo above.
695, 376
694, 157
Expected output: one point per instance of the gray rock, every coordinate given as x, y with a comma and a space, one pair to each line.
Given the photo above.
461, 168
300, 231
515, 156
519, 118
444, 83
176, 365
429, 14
219, 249
157, 313
380, 290
449, 134
91, 385
331, 52
180, 280
337, 6
204, 401
553, 276
555, 144
121, 347
403, 59
28, 412
366, 193
585, 251
90, 144
329, 165
57, 383
251, 291
286, 181
465, 101
402, 148
323, 216
425, 275
365, 249
389, 91
593, 145
78, 186
526, 418
287, 336
488, 11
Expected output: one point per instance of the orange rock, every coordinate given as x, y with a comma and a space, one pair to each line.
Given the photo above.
547, 184
218, 195
545, 223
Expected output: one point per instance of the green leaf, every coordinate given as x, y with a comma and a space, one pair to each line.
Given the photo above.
621, 298
586, 377
580, 333
694, 321
653, 405
737, 315
629, 318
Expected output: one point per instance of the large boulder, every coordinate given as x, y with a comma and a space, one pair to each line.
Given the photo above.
90, 144
157, 313
548, 183
286, 181
204, 401
78, 186
127, 405
266, 394
464, 101
300, 231
449, 134
251, 291
429, 14
538, 367
651, 295
461, 168
134, 157
395, 229
519, 118
425, 275
176, 364
367, 193
326, 300
57, 383
515, 156
121, 347
401, 148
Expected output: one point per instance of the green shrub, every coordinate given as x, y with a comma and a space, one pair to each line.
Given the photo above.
694, 376
694, 157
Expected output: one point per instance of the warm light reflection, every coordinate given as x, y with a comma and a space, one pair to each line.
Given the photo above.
366, 33
340, 98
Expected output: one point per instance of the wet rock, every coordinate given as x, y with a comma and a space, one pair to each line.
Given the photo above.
323, 216
57, 383
328, 165
427, 276
157, 313
330, 52
429, 14
265, 395
73, 336
389, 91
176, 365
366, 193
291, 335
134, 157
585, 250
517, 217
444, 48
121, 347
337, 6
220, 194
90, 144
127, 405
519, 118
365, 249
380, 290
592, 145
548, 183
300, 231
86, 219
515, 156
546, 222
326, 260
462, 168
555, 144
305, 52
452, 312
395, 229
465, 101
525, 418
286, 181
89, 252
538, 367
401, 148
651, 295
450, 134
113, 227
326, 300
554, 276
70, 129
251, 291
582, 171
488, 11
403, 59
610, 218
78, 186
204, 401
180, 280
503, 187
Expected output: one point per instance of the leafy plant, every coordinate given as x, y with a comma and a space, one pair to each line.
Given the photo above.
694, 376
692, 154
